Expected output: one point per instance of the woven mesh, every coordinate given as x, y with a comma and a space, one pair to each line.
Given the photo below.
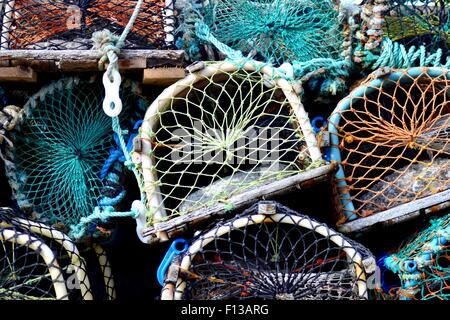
391, 139
283, 256
69, 24
60, 150
411, 24
39, 262
423, 264
105, 267
225, 133
277, 30
418, 23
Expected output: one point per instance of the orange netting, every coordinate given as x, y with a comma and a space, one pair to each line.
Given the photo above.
32, 24
391, 136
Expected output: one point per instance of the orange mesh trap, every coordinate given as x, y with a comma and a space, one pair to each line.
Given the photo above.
69, 24
391, 139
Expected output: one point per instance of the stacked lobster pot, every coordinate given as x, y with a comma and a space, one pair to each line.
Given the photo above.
214, 149
232, 133
388, 138
62, 158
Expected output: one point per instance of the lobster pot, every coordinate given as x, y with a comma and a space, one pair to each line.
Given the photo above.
390, 137
69, 24
423, 264
276, 31
269, 252
71, 278
64, 160
220, 138
407, 22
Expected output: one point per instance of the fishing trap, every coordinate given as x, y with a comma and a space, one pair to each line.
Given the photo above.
217, 141
269, 252
40, 262
272, 31
390, 137
423, 264
69, 24
65, 159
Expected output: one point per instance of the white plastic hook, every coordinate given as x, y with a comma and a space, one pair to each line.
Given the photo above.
112, 104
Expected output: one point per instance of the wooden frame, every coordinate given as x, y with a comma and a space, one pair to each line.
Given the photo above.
151, 122
173, 291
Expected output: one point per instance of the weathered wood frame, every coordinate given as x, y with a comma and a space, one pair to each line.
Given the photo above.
163, 102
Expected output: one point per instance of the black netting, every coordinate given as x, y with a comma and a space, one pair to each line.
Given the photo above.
284, 256
69, 24
40, 262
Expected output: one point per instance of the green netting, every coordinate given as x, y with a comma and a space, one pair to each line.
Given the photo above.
277, 30
64, 160
404, 33
424, 22
423, 265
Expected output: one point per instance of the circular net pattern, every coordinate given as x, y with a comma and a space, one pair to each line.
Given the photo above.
56, 24
219, 137
39, 263
285, 256
423, 264
414, 22
393, 141
277, 30
60, 148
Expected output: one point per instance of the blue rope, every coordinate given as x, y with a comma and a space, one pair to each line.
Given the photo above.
203, 33
102, 214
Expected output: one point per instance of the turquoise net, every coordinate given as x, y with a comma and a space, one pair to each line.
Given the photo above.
277, 30
423, 265
64, 161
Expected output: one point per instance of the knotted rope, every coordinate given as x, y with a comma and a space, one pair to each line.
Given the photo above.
100, 213
396, 55
110, 45
10, 116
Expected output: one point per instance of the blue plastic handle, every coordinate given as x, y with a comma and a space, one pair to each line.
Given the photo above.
167, 260
314, 122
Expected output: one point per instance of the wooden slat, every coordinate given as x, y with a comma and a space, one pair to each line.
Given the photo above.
17, 74
86, 60
299, 181
399, 213
163, 76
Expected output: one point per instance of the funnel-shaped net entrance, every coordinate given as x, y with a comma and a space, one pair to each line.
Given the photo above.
418, 23
56, 24
39, 262
284, 256
24, 273
423, 265
225, 134
57, 164
277, 30
393, 141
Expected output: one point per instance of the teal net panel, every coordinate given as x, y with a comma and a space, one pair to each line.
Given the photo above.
65, 161
405, 33
277, 30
